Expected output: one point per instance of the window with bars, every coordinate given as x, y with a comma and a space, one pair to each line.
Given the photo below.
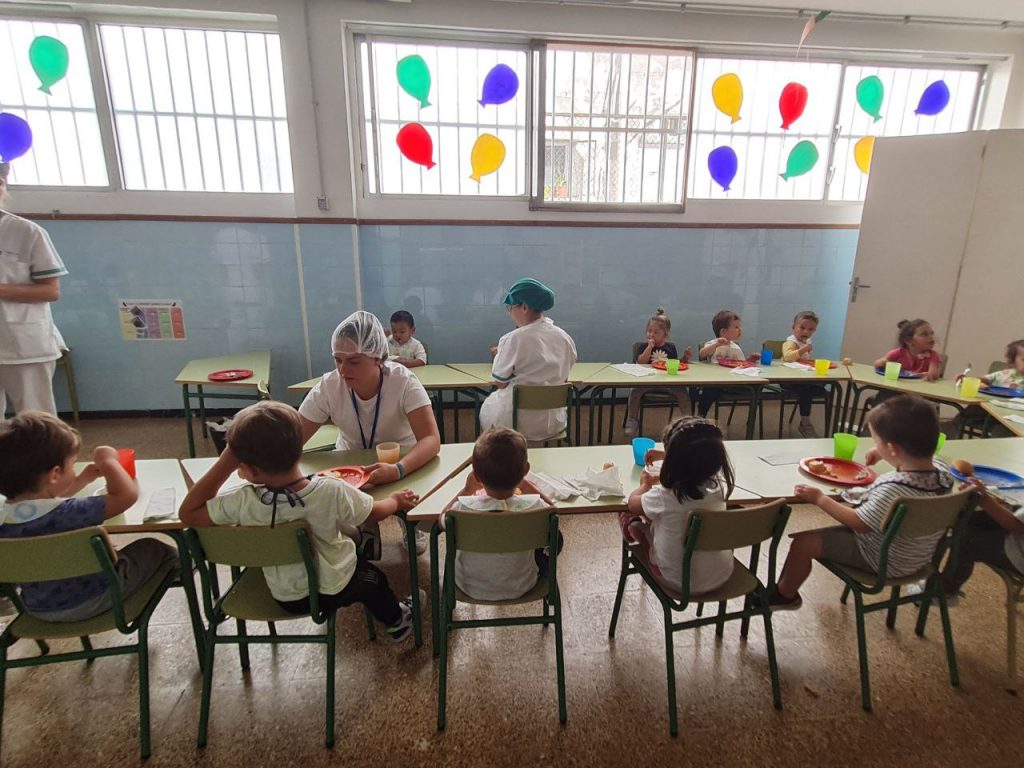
67, 147
619, 117
443, 119
198, 109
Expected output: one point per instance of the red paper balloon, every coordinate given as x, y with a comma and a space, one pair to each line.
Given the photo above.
791, 103
415, 143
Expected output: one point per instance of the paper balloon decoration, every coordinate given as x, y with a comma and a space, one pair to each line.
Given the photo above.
15, 137
722, 164
727, 92
414, 77
792, 102
500, 85
862, 152
801, 159
934, 99
870, 94
487, 156
49, 58
415, 143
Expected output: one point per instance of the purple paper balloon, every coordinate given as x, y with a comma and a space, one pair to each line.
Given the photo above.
723, 163
934, 99
500, 85
15, 137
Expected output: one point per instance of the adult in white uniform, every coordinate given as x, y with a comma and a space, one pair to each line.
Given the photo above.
536, 352
30, 344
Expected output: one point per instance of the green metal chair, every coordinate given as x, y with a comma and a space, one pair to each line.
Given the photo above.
1014, 583
544, 397
247, 550
68, 555
914, 516
715, 531
658, 397
494, 532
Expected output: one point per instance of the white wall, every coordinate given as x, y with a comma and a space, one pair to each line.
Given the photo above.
317, 51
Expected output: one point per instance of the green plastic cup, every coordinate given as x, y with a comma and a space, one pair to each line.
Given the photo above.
672, 367
892, 371
844, 445
940, 442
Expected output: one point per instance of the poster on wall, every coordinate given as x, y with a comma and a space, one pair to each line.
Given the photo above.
151, 319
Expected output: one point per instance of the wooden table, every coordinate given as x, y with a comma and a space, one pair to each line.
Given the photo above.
196, 372
1000, 414
942, 391
577, 374
423, 481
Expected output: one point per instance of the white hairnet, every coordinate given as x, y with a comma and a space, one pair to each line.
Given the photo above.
364, 331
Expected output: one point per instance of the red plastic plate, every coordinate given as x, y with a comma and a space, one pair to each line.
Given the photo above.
736, 363
231, 374
838, 471
357, 477
660, 365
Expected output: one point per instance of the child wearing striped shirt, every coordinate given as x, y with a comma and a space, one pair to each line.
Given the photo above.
905, 430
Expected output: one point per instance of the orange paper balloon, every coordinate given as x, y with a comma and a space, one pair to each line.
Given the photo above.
862, 152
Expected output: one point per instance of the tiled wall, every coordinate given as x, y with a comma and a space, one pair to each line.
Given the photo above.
241, 290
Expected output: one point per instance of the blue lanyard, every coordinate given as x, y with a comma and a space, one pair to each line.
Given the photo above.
376, 414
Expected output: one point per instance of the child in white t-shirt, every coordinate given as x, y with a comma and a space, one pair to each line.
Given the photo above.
403, 347
265, 445
695, 475
728, 328
497, 484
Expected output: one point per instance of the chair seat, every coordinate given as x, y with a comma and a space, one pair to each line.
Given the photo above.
250, 600
740, 582
539, 592
867, 579
30, 627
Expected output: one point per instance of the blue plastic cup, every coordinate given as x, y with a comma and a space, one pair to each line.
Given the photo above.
641, 445
766, 356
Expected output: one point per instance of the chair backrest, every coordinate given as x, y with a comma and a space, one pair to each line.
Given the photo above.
541, 397
638, 347
495, 532
997, 365
925, 515
263, 389
775, 345
735, 528
58, 556
253, 546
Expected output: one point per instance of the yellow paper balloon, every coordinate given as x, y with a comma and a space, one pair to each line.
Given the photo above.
727, 91
487, 156
862, 152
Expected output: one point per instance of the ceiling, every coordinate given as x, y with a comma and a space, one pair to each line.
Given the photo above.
989, 10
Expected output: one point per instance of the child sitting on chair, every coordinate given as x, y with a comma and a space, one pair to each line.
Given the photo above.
498, 484
905, 430
404, 348
695, 475
264, 445
37, 475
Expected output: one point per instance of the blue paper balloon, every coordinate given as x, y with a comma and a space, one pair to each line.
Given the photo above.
500, 85
934, 99
723, 163
15, 137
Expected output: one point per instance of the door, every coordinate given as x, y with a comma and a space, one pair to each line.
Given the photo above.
913, 233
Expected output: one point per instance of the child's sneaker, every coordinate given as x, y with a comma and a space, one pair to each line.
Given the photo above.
7, 607
776, 602
952, 601
401, 631
631, 428
422, 541
806, 429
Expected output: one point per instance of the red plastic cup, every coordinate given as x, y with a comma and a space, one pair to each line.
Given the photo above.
126, 458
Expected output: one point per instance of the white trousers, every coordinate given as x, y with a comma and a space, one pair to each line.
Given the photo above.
28, 386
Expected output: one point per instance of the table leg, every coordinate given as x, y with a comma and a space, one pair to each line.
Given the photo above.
202, 410
414, 580
188, 421
755, 394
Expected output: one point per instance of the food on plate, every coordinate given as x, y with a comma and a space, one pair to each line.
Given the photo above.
847, 361
818, 466
608, 465
963, 466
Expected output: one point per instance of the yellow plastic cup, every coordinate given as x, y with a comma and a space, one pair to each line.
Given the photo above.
389, 453
672, 367
821, 367
844, 445
892, 371
970, 385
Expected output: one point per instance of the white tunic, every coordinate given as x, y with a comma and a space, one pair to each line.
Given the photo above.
27, 332
401, 393
537, 353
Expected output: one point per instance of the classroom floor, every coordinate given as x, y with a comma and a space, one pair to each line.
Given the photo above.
502, 707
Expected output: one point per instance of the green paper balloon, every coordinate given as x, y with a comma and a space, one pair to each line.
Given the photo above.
801, 159
870, 94
49, 59
414, 77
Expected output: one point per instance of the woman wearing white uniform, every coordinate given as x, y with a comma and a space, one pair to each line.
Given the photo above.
536, 352
30, 344
372, 400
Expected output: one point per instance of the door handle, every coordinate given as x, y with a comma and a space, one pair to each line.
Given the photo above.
856, 285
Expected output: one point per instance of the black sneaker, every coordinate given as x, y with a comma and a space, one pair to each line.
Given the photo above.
776, 602
402, 631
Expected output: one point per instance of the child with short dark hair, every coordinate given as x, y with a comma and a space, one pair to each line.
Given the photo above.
498, 484
265, 445
728, 329
905, 430
799, 347
658, 349
403, 348
695, 474
916, 351
37, 477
